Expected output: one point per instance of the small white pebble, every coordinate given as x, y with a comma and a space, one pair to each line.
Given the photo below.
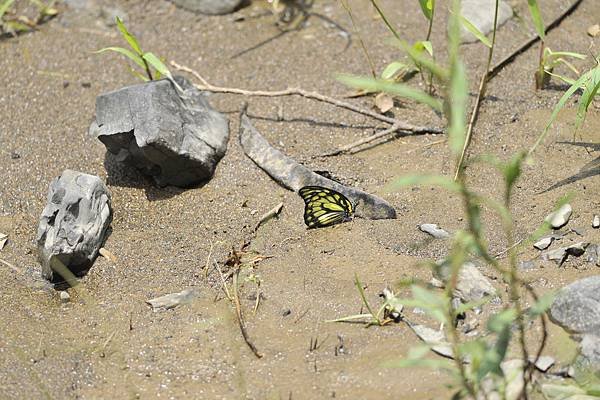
596, 222
64, 297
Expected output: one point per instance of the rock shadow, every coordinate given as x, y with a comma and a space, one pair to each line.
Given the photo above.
124, 175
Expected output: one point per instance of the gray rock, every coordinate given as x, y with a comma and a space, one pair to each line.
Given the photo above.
560, 217
212, 7
543, 243
481, 14
526, 265
561, 254
64, 296
471, 284
593, 254
173, 300
74, 223
596, 221
544, 363
434, 230
178, 139
577, 306
590, 350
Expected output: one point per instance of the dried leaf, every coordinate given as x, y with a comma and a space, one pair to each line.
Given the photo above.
173, 300
274, 212
384, 102
108, 255
3, 240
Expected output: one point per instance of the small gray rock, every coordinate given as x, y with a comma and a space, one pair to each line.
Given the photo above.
64, 296
560, 217
472, 284
589, 351
544, 243
561, 254
577, 306
481, 14
596, 221
544, 363
212, 7
178, 139
172, 300
434, 230
593, 254
74, 223
526, 265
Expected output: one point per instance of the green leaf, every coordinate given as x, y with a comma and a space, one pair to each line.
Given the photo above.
129, 37
397, 89
458, 103
157, 64
427, 8
393, 69
4, 7
502, 320
429, 180
127, 53
542, 305
534, 9
16, 26
464, 307
476, 32
423, 45
589, 92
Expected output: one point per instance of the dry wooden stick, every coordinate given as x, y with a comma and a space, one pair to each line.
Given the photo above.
353, 145
240, 317
205, 85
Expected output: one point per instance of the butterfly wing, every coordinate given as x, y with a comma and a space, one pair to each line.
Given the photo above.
324, 207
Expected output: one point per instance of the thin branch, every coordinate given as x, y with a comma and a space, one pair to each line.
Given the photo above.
348, 147
205, 85
240, 317
346, 7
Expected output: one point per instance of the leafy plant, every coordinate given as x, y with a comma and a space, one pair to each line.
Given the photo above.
16, 24
552, 59
589, 83
145, 60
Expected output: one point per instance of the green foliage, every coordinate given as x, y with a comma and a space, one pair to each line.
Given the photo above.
476, 32
589, 83
536, 16
146, 60
427, 6
21, 23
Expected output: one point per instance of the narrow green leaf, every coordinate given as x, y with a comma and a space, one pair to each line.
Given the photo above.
427, 8
4, 7
559, 106
127, 53
476, 32
429, 180
536, 16
129, 37
16, 26
397, 89
392, 69
542, 305
157, 64
589, 92
458, 107
502, 320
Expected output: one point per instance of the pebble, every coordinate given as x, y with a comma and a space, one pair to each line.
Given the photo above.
560, 217
543, 243
434, 230
64, 296
596, 221
544, 363
526, 265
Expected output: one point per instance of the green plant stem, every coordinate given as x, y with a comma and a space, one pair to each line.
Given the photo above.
382, 15
147, 67
360, 39
480, 95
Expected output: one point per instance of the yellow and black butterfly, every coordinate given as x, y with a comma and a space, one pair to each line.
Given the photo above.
325, 207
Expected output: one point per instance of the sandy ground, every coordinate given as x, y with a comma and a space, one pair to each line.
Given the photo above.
108, 343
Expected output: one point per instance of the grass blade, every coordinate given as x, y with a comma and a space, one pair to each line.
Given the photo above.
476, 32
157, 64
127, 53
427, 8
3, 7
534, 9
397, 89
135, 45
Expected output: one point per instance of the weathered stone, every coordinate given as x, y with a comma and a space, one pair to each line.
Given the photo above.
560, 217
74, 223
560, 255
176, 138
596, 221
577, 306
212, 7
543, 243
481, 14
172, 300
471, 284
434, 230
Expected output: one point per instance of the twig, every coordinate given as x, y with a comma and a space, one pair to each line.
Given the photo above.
348, 147
208, 259
509, 248
204, 85
16, 269
272, 213
362, 43
240, 317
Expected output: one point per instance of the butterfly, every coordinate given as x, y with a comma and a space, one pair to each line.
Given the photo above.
325, 207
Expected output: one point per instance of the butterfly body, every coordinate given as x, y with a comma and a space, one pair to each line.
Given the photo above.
325, 207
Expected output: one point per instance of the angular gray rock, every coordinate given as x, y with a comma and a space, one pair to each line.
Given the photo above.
212, 7
434, 230
74, 223
471, 285
577, 306
561, 254
481, 14
177, 138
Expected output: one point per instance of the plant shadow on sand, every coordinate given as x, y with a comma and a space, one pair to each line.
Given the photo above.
590, 169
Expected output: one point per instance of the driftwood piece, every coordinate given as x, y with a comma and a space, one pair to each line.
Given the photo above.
294, 176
